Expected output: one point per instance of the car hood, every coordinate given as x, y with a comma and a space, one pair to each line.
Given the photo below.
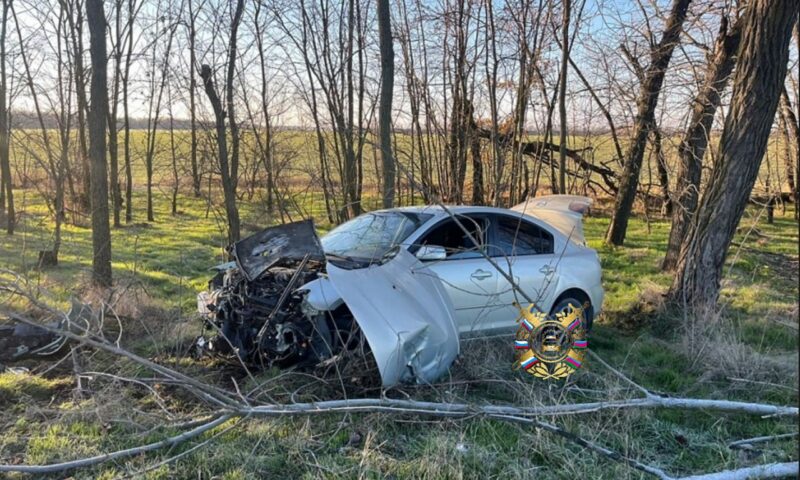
292, 241
405, 313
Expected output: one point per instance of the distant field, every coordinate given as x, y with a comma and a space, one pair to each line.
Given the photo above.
297, 159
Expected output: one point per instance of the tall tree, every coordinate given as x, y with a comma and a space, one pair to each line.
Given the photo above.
6, 184
126, 121
157, 85
646, 102
695, 140
385, 105
113, 131
192, 100
98, 111
562, 99
762, 61
229, 165
75, 20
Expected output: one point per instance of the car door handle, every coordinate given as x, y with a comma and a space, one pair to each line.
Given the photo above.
547, 270
480, 274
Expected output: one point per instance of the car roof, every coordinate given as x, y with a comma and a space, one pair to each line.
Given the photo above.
438, 213
457, 209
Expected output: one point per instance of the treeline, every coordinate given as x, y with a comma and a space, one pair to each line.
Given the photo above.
435, 100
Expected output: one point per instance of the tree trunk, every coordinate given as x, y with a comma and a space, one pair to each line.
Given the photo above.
663, 173
228, 188
113, 132
762, 62
695, 140
791, 122
645, 118
127, 120
5, 160
196, 180
101, 233
76, 29
385, 106
477, 170
562, 100
229, 88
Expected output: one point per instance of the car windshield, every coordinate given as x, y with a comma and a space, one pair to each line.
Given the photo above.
372, 235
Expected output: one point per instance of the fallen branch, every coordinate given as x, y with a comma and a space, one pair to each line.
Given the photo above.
589, 445
87, 462
461, 410
750, 441
536, 148
772, 470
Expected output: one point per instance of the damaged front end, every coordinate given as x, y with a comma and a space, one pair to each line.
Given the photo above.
281, 302
253, 304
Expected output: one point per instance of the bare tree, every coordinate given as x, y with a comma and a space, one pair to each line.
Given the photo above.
6, 184
385, 106
228, 165
562, 96
195, 170
75, 19
693, 145
762, 63
126, 79
158, 80
652, 79
101, 232
113, 131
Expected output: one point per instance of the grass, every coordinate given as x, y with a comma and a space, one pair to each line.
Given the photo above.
161, 265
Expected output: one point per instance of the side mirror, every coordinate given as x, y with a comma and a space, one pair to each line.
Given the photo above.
431, 252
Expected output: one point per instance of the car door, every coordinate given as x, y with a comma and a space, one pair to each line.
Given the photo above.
468, 278
525, 251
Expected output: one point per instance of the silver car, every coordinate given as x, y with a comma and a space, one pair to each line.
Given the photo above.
539, 243
412, 281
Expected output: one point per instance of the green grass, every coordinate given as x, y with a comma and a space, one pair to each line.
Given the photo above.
162, 264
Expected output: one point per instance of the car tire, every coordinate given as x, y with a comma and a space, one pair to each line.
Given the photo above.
564, 303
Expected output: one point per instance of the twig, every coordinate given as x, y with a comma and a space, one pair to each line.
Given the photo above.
750, 441
173, 458
599, 449
89, 461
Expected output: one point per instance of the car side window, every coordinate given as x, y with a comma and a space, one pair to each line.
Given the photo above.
450, 235
515, 236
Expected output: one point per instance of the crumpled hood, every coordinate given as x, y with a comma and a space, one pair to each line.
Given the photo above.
406, 316
291, 241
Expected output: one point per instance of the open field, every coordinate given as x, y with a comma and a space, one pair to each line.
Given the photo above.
746, 352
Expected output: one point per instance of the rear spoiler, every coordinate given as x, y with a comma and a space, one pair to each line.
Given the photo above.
562, 212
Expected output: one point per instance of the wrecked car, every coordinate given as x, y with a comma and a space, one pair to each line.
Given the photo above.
407, 282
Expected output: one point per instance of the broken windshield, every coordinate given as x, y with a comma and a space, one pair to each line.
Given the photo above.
371, 236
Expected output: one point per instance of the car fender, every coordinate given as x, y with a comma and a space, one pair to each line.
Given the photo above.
405, 314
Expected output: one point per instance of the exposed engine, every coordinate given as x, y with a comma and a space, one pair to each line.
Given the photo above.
264, 321
256, 310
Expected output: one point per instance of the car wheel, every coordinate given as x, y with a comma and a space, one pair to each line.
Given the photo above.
564, 304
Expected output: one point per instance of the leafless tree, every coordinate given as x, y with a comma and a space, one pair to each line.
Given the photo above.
6, 183
652, 79
695, 140
761, 68
229, 167
101, 232
562, 98
385, 107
